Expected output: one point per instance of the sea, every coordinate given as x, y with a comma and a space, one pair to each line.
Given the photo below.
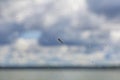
71, 74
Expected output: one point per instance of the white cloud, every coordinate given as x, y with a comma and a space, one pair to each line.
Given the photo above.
23, 44
49, 19
86, 34
115, 35
4, 50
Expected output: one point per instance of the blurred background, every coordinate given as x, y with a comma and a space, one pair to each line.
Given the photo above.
89, 29
29, 30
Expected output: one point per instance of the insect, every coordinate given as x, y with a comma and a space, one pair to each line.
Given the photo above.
60, 41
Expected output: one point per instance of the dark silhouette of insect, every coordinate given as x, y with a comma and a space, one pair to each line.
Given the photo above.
60, 41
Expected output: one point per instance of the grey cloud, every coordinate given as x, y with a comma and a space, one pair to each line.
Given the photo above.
97, 40
56, 19
35, 20
109, 8
62, 27
8, 33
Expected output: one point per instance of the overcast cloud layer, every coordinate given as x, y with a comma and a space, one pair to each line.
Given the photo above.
89, 28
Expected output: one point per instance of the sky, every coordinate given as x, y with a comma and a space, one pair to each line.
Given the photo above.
29, 29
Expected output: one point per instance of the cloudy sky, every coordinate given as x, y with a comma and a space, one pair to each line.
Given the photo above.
29, 30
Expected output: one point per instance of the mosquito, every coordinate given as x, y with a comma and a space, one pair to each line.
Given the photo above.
60, 41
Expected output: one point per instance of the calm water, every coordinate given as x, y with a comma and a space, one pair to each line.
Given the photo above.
59, 74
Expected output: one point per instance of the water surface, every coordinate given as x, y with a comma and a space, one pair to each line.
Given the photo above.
59, 74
